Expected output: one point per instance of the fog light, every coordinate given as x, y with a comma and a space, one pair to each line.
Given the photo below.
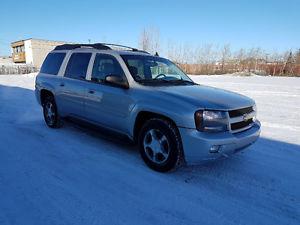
214, 149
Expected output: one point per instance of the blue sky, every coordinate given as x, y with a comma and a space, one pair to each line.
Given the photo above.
271, 25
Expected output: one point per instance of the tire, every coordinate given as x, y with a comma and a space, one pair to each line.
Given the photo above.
50, 113
160, 145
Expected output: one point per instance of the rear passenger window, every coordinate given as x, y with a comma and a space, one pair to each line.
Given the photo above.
77, 65
52, 63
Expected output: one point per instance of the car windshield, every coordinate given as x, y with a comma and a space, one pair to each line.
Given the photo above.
148, 69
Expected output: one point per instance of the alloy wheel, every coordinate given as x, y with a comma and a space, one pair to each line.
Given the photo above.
156, 146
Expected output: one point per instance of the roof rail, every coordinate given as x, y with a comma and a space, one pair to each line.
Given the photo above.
74, 46
122, 46
100, 46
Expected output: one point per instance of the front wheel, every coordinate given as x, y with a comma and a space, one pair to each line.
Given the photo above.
160, 145
51, 116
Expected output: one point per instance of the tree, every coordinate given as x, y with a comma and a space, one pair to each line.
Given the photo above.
149, 40
225, 55
287, 67
298, 57
240, 60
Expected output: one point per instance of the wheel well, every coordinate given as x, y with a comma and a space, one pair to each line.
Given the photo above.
44, 94
144, 116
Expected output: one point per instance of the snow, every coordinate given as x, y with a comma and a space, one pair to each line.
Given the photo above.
77, 176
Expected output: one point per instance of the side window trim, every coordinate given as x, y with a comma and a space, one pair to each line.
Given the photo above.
64, 67
90, 67
61, 71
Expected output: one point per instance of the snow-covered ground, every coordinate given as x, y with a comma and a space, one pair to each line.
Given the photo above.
74, 176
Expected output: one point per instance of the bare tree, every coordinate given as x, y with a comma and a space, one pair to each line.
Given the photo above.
150, 40
211, 59
287, 67
144, 40
225, 55
240, 58
298, 57
205, 58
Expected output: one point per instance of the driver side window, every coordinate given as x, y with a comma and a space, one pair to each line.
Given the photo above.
160, 68
105, 65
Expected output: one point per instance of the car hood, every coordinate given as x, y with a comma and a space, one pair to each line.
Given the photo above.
207, 97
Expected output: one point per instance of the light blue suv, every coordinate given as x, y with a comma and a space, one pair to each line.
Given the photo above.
149, 100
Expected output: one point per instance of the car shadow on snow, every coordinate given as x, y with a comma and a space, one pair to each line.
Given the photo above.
266, 159
256, 162
19, 109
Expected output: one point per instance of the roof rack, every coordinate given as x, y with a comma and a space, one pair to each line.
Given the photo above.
74, 46
100, 46
122, 46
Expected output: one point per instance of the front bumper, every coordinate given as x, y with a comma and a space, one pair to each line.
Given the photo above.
197, 145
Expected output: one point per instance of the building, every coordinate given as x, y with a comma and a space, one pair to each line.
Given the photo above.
32, 51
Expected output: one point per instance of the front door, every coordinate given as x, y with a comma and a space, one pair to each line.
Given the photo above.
107, 105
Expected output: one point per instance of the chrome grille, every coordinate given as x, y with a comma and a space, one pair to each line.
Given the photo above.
241, 119
240, 112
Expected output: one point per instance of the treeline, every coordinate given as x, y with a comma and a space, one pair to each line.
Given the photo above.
214, 59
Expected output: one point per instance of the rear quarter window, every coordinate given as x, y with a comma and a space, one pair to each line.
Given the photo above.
52, 63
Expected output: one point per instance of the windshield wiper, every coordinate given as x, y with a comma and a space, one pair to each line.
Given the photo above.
164, 81
148, 81
181, 82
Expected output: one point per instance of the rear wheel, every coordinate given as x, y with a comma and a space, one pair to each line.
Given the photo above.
160, 145
51, 116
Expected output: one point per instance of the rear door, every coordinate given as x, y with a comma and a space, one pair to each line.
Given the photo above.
73, 85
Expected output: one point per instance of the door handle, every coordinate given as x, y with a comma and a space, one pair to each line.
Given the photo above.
91, 92
62, 85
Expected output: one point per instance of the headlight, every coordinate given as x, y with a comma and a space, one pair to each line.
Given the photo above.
211, 121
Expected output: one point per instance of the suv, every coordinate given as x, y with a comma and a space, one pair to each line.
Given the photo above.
148, 99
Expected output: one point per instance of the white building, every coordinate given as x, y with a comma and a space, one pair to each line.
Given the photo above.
32, 51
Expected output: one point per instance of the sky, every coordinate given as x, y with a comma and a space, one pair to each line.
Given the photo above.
271, 25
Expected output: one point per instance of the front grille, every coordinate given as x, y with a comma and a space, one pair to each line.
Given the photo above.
241, 119
240, 125
240, 112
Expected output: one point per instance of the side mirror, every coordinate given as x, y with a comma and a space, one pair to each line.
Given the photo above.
116, 81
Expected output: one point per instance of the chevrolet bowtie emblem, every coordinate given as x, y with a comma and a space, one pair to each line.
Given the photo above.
246, 117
